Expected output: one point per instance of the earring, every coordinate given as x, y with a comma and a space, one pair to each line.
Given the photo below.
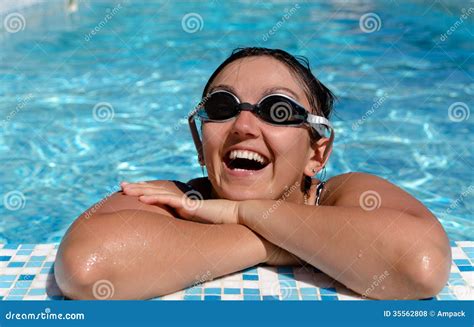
202, 170
313, 170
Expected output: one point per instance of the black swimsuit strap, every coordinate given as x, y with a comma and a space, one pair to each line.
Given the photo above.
319, 190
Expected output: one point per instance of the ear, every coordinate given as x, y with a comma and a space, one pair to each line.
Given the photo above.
319, 155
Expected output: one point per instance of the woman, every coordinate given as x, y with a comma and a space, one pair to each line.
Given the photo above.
265, 134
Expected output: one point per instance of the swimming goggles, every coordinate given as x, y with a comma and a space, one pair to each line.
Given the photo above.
274, 109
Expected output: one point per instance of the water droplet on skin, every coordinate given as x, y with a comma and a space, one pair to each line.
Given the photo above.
383, 287
360, 254
426, 261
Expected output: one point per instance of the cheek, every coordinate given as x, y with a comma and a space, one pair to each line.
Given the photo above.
212, 138
290, 144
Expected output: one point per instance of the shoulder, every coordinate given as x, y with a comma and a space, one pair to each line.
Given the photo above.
346, 189
359, 189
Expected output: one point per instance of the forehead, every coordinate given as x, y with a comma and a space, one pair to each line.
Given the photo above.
252, 76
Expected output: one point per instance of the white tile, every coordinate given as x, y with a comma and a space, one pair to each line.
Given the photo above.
232, 297
249, 284
174, 296
212, 283
34, 297
7, 252
468, 276
31, 270
11, 271
20, 258
465, 243
47, 246
458, 253
38, 284
231, 284
40, 252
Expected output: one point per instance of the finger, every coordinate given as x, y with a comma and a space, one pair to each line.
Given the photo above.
167, 199
143, 190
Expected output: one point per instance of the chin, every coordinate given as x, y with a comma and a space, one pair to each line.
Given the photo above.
241, 193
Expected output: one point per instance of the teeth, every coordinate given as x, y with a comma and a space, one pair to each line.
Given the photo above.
245, 154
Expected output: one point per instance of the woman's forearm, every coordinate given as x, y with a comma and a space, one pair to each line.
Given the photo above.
142, 254
359, 248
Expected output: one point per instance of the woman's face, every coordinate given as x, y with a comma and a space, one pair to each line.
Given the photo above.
286, 150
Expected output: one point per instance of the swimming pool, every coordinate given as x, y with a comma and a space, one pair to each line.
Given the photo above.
100, 95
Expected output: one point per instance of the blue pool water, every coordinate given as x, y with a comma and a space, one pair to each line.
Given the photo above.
395, 87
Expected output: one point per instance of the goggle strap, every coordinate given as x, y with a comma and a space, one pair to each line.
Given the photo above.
317, 122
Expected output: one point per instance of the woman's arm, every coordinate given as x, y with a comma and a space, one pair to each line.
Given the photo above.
144, 254
397, 249
125, 249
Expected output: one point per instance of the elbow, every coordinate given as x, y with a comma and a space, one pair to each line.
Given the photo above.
80, 268
429, 273
79, 276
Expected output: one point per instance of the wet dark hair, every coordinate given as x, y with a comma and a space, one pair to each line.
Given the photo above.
319, 96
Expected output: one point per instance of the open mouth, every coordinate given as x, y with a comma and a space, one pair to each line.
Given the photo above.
245, 160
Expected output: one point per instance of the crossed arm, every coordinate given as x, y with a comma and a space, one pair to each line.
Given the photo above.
144, 252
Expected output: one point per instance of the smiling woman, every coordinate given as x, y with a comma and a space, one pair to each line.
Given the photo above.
265, 134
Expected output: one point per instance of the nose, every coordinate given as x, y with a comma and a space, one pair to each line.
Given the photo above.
246, 125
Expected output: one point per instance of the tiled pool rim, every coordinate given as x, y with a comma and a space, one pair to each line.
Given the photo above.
27, 273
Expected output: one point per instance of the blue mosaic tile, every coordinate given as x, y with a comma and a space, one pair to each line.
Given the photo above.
232, 291
193, 297
37, 291
26, 277
15, 264
23, 284
287, 283
213, 290
285, 277
7, 278
447, 297
270, 298
250, 277
33, 264
24, 252
329, 298
46, 271
10, 246
27, 246
37, 258
468, 249
466, 268
455, 275
5, 284
291, 297
14, 298
462, 262
250, 271
5, 258
18, 291
283, 270
327, 291
251, 291
308, 291
194, 290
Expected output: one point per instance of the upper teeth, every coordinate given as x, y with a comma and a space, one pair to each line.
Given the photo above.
245, 154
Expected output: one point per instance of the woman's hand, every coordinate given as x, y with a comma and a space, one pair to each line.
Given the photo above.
190, 205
